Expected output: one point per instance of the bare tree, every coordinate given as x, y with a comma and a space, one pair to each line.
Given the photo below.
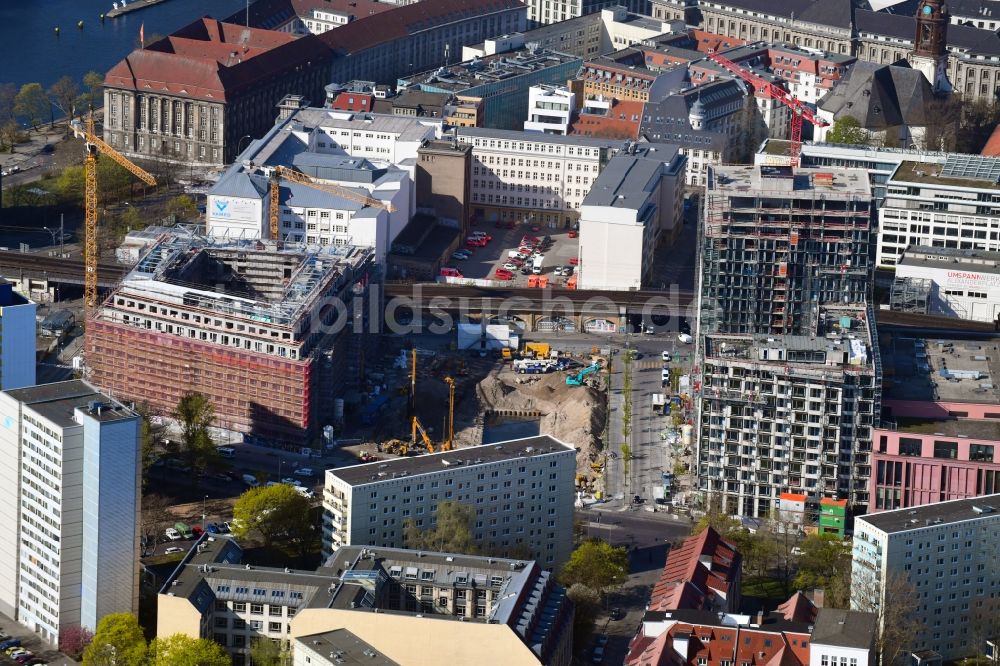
891, 600
984, 624
155, 517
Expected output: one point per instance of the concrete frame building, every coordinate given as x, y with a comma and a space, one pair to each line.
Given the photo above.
190, 97
521, 490
952, 205
17, 338
271, 335
790, 413
550, 109
69, 498
519, 175
963, 283
779, 242
633, 207
947, 552
494, 610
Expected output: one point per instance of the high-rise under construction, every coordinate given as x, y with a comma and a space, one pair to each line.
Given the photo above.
778, 243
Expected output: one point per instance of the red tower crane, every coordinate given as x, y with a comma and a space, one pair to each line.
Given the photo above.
760, 84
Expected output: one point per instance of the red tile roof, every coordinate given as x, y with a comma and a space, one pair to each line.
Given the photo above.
684, 565
798, 608
622, 122
992, 147
367, 32
351, 101
211, 60
710, 42
714, 644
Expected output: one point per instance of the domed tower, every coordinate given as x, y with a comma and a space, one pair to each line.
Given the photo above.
930, 46
696, 115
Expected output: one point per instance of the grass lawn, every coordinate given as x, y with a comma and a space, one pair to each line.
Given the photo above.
768, 590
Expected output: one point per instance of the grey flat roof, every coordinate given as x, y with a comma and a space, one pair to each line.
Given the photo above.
844, 628
387, 470
623, 182
973, 261
57, 402
348, 648
538, 137
945, 513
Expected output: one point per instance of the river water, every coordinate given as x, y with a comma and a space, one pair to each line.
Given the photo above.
31, 51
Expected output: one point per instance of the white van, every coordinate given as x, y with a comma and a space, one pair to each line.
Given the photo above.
250, 480
226, 452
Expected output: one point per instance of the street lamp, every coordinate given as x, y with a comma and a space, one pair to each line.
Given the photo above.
239, 143
203, 500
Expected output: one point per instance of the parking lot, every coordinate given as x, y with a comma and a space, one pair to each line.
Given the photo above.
42, 654
484, 261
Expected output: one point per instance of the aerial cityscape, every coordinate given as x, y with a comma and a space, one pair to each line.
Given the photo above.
500, 332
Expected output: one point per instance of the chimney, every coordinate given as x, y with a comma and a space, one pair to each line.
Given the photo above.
760, 617
819, 597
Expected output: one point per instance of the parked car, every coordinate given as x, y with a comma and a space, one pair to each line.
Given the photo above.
574, 261
666, 357
461, 256
305, 492
449, 271
573, 234
172, 534
481, 234
223, 528
685, 338
173, 550
250, 480
503, 274
601, 640
597, 656
9, 643
197, 530
304, 472
510, 266
211, 528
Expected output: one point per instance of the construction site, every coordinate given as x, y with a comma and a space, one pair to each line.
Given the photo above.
422, 401
251, 325
778, 241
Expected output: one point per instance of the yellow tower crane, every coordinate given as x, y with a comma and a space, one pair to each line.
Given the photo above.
94, 146
279, 172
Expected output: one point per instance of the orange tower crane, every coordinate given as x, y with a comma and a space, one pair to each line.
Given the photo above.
95, 145
279, 172
760, 84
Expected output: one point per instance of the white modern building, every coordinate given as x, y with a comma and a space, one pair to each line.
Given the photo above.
550, 109
948, 553
963, 283
634, 205
361, 167
526, 176
952, 205
521, 490
69, 500
17, 338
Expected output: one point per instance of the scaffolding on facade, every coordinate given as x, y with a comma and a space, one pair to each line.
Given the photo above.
910, 294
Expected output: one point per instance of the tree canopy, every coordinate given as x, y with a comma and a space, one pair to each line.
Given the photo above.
182, 650
452, 532
118, 639
596, 564
825, 562
195, 414
31, 103
274, 514
266, 652
849, 131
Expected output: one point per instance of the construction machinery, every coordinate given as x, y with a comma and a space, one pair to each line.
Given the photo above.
577, 379
279, 173
775, 92
94, 146
417, 427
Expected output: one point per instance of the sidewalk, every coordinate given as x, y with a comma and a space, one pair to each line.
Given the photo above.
25, 154
32, 642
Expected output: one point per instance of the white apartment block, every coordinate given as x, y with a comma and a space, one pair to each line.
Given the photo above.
521, 490
550, 109
790, 413
525, 176
17, 338
69, 500
634, 205
949, 553
952, 205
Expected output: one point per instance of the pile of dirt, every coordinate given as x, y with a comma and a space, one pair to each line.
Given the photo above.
572, 414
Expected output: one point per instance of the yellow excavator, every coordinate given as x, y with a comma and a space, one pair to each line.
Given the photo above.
417, 427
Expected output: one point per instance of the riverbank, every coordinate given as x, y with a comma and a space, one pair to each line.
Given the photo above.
133, 6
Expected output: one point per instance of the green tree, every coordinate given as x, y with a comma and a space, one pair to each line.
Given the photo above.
596, 564
451, 532
93, 90
9, 131
825, 563
8, 124
182, 650
148, 449
586, 605
118, 640
183, 207
62, 94
195, 415
849, 131
69, 184
267, 652
31, 103
275, 514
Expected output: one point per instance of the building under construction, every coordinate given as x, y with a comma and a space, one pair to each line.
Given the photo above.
778, 243
259, 329
790, 413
